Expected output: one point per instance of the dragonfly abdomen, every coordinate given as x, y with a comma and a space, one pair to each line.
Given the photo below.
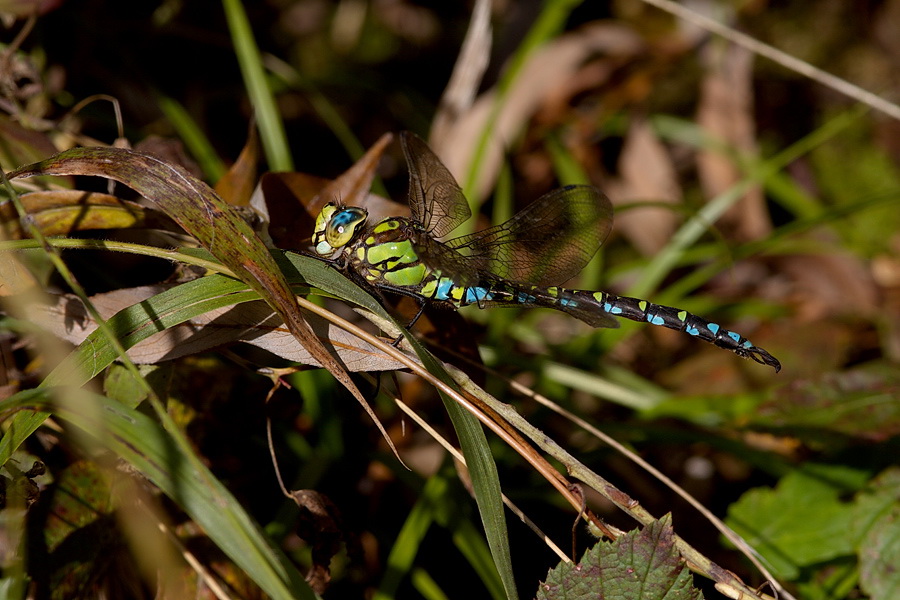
643, 311
597, 308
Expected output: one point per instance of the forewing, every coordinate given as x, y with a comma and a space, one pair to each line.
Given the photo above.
435, 199
547, 242
463, 270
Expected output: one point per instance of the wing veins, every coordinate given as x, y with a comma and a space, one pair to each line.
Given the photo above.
547, 242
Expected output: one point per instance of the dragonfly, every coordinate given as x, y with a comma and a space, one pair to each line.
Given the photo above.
521, 262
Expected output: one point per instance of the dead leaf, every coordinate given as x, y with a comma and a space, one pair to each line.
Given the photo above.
467, 72
22, 145
254, 323
825, 285
352, 186
321, 526
726, 113
27, 8
282, 197
546, 69
236, 186
15, 278
647, 176
169, 150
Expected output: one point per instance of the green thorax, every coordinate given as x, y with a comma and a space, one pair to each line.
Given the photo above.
386, 254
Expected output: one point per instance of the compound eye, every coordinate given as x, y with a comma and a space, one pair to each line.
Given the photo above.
343, 225
318, 239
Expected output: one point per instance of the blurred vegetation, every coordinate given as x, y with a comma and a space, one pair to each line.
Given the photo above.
745, 192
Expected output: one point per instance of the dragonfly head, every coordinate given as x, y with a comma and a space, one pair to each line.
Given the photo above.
336, 227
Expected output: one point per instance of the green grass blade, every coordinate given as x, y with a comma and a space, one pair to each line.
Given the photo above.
690, 232
426, 586
486, 483
327, 111
403, 553
271, 128
602, 387
569, 172
145, 445
193, 137
436, 504
471, 544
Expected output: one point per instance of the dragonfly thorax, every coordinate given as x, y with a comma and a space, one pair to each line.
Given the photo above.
336, 226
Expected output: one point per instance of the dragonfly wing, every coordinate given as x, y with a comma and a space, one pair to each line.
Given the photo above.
435, 199
463, 270
547, 242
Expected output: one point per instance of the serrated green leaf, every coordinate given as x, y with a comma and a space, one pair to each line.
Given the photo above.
641, 565
249, 58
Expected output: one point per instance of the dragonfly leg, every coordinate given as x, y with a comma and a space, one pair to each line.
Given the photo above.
412, 322
416, 318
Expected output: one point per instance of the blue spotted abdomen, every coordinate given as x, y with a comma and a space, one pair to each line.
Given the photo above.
643, 311
599, 309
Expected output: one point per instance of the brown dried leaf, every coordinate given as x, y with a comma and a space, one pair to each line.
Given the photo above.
647, 176
726, 113
253, 323
279, 197
467, 72
166, 149
352, 186
15, 278
21, 145
545, 70
825, 285
236, 186
27, 8
320, 525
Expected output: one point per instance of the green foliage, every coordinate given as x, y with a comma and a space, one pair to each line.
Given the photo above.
640, 565
790, 236
800, 523
877, 537
146, 447
808, 525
